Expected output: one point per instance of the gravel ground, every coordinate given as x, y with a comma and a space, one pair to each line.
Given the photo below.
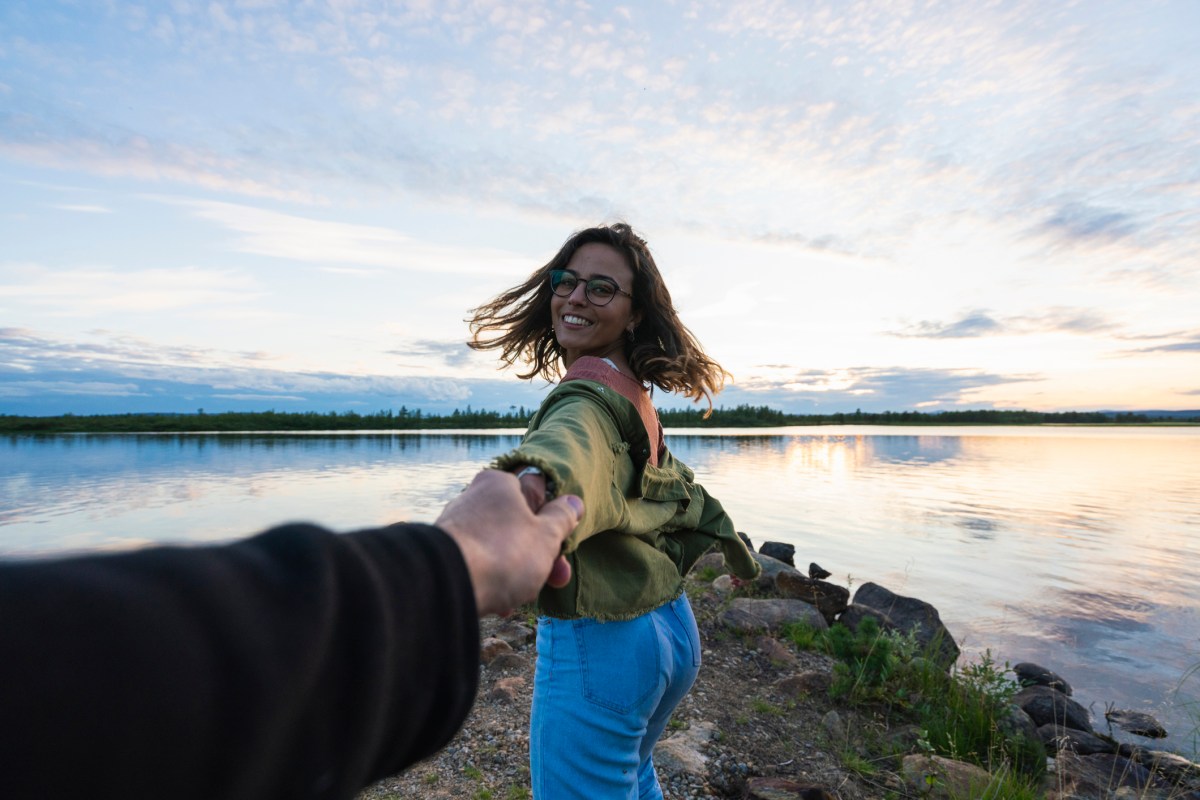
760, 729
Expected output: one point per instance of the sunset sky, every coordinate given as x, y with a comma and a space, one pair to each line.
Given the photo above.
267, 205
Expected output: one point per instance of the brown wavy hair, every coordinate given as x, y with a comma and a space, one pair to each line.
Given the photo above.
662, 351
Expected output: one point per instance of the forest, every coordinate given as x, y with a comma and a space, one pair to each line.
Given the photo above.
742, 416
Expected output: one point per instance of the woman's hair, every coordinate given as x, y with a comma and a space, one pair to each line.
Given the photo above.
661, 352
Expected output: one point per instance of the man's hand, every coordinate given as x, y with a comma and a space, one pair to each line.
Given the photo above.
510, 551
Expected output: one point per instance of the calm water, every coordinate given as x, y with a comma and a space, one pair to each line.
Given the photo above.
1076, 548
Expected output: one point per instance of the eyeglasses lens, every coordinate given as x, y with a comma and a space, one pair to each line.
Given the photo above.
600, 291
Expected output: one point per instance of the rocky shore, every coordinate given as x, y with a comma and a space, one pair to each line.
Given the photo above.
760, 723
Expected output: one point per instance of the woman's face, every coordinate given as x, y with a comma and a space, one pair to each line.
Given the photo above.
583, 328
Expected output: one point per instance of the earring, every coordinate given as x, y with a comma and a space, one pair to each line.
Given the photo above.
629, 334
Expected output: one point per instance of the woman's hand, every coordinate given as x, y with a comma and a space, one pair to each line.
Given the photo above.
533, 488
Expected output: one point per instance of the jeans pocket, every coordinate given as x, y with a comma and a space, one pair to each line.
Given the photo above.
620, 662
682, 610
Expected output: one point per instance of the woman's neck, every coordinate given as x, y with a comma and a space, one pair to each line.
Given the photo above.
614, 354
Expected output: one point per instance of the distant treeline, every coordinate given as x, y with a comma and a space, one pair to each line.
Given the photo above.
743, 416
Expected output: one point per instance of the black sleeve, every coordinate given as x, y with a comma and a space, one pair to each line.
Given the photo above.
295, 664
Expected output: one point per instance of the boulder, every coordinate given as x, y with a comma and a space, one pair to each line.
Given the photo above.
1058, 738
746, 541
748, 615
506, 690
1017, 723
1100, 775
710, 561
508, 661
941, 778
1046, 706
780, 551
830, 599
1029, 674
723, 584
770, 568
784, 789
517, 634
681, 753
491, 647
908, 614
775, 651
1136, 722
805, 683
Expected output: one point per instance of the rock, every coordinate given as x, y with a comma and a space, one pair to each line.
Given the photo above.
748, 615
833, 725
508, 661
506, 690
710, 561
1100, 774
783, 789
817, 572
940, 778
907, 614
517, 634
781, 551
746, 540
775, 651
1175, 768
1018, 723
805, 683
491, 647
1136, 722
1046, 706
770, 568
1029, 674
1069, 740
830, 599
681, 753
723, 584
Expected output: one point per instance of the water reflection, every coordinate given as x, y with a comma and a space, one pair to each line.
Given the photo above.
1071, 548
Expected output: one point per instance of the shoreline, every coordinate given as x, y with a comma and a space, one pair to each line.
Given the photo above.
760, 722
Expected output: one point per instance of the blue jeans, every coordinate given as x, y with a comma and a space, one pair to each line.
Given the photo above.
602, 695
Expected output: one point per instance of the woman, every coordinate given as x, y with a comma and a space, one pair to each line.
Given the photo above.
617, 645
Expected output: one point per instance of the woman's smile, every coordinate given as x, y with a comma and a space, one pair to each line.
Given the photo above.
583, 328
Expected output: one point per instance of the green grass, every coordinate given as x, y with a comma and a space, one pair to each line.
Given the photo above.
960, 712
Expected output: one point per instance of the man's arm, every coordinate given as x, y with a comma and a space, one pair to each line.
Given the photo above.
298, 663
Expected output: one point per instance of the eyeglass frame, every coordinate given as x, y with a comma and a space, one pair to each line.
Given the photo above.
587, 292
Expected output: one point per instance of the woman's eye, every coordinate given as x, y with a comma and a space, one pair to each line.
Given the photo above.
600, 289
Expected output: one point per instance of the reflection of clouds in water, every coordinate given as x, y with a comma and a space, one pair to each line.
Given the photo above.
173, 487
1089, 618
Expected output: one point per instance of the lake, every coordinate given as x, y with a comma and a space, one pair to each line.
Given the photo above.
1077, 548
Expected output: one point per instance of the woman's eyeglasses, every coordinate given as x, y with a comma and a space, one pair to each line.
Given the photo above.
599, 291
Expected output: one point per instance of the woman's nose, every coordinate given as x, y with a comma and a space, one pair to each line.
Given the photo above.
578, 295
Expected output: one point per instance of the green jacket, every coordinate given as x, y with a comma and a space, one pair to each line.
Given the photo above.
643, 526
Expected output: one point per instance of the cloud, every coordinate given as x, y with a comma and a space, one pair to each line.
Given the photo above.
868, 388
451, 353
1080, 221
89, 291
972, 324
84, 209
43, 375
20, 388
1190, 344
297, 238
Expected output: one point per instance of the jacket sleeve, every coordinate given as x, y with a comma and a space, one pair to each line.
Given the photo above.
575, 442
294, 664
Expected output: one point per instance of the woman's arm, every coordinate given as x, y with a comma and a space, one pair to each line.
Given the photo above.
574, 446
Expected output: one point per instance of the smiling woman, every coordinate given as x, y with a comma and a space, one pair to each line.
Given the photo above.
619, 637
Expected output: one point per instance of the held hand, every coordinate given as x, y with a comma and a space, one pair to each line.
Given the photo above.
510, 551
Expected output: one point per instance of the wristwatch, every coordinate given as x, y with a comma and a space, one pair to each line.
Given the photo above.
532, 470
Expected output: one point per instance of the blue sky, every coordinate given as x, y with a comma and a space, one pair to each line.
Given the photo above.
257, 204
